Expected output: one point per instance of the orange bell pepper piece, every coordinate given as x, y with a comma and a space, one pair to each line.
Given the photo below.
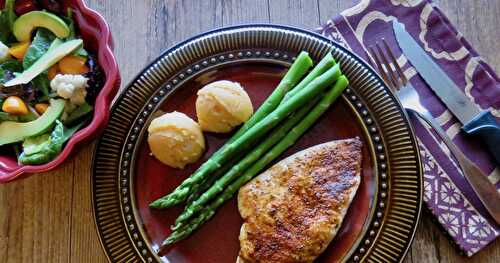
53, 71
41, 107
15, 105
19, 50
73, 65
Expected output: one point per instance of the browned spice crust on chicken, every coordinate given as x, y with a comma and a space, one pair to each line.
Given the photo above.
293, 210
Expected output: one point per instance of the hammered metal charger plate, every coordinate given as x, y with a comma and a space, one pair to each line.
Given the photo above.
382, 219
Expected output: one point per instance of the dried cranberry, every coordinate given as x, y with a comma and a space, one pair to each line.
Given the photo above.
54, 6
8, 75
28, 92
24, 6
96, 79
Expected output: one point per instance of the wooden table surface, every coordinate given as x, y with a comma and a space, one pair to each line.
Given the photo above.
48, 217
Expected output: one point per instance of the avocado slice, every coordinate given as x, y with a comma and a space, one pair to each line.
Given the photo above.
55, 53
25, 24
11, 131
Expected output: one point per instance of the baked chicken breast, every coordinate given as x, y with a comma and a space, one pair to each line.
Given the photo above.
292, 211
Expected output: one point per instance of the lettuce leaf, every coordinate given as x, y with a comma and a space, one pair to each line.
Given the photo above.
44, 148
78, 113
7, 18
4, 116
71, 24
42, 83
27, 117
36, 144
41, 43
9, 65
81, 52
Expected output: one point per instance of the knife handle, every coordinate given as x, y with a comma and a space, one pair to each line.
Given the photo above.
486, 127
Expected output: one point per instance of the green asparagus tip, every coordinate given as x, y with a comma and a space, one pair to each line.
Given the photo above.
155, 204
170, 240
171, 199
176, 236
160, 204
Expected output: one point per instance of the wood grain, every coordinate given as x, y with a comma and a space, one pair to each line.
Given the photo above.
48, 217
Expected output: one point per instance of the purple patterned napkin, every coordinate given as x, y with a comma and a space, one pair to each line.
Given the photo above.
446, 192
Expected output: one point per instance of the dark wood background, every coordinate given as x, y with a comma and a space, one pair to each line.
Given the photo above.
48, 217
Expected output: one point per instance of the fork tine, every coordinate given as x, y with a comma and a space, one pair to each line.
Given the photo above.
395, 62
370, 60
381, 69
390, 71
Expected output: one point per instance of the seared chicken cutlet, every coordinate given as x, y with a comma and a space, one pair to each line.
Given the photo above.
292, 211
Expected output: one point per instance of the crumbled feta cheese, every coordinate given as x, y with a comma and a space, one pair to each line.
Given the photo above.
71, 87
4, 52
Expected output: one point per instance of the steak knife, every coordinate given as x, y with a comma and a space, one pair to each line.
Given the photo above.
474, 120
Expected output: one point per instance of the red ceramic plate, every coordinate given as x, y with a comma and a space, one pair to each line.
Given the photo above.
127, 178
97, 38
155, 179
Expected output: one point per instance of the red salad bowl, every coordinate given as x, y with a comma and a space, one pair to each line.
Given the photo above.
97, 38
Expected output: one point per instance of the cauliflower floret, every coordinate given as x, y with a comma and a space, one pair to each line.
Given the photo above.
72, 87
4, 52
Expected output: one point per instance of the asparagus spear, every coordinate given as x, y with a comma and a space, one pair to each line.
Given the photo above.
250, 137
294, 74
325, 63
236, 170
298, 69
208, 212
199, 188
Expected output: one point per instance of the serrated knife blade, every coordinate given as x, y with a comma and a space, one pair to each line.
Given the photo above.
475, 121
461, 106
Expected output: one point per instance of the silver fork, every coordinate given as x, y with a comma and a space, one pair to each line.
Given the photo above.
410, 100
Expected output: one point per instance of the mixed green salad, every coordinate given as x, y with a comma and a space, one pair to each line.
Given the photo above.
48, 80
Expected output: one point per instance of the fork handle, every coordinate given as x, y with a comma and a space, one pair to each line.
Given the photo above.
484, 189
